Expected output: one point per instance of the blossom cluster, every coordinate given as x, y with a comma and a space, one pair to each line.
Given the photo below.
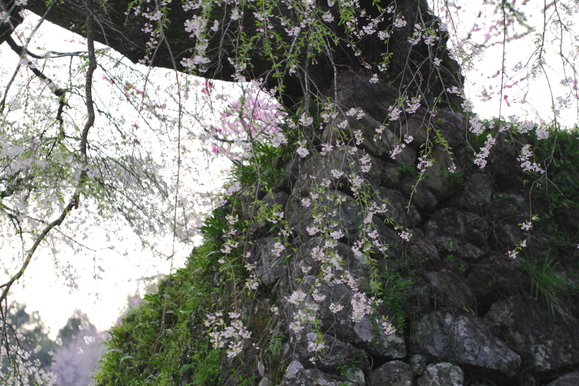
332, 268
424, 163
252, 282
24, 366
481, 157
526, 164
398, 149
422, 33
232, 335
254, 116
304, 316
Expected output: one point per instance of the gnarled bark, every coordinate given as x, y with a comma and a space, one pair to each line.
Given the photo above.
121, 26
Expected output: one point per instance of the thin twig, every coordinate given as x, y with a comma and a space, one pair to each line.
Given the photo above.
82, 178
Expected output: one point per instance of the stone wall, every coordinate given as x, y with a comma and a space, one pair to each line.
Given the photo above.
429, 252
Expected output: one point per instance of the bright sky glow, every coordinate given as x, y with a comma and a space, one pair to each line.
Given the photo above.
540, 97
97, 276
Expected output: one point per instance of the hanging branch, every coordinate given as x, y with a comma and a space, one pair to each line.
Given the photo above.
82, 178
23, 52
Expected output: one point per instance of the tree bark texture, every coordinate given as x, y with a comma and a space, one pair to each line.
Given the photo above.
124, 26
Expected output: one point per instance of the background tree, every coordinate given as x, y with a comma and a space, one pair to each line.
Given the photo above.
80, 347
26, 344
72, 357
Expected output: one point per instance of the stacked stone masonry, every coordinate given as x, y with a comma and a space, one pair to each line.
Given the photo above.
465, 315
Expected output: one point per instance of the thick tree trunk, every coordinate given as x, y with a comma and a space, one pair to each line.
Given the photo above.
123, 27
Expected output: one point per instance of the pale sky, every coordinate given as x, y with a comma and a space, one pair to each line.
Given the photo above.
47, 288
530, 99
98, 278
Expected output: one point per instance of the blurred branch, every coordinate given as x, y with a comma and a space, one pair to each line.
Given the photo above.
23, 51
11, 20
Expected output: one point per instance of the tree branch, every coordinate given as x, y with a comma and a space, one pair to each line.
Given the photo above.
82, 178
11, 20
140, 34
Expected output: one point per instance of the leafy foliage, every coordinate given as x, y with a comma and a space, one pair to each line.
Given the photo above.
560, 186
153, 344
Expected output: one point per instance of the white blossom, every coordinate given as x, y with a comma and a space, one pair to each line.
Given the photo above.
399, 22
336, 307
302, 151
